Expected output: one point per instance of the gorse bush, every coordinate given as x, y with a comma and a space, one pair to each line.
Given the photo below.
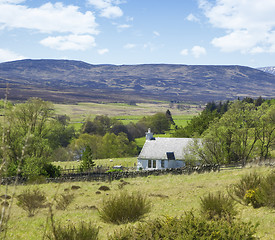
266, 190
31, 201
187, 227
247, 183
255, 190
124, 207
84, 231
217, 206
253, 197
64, 200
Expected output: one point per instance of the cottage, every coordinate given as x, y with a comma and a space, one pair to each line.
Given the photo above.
161, 153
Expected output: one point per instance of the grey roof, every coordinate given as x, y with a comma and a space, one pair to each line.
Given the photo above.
157, 149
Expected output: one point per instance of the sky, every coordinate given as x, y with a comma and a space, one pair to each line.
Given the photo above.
192, 32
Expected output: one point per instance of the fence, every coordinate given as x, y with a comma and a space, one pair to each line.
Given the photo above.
99, 174
103, 176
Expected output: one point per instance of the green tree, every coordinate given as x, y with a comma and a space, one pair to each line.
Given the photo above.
265, 131
87, 160
233, 137
200, 123
78, 146
25, 131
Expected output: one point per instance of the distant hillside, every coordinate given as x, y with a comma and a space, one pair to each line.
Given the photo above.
72, 81
268, 70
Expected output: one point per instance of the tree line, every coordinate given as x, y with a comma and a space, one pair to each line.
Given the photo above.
240, 131
33, 136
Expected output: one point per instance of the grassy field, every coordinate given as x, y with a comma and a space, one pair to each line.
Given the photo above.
126, 162
124, 112
170, 195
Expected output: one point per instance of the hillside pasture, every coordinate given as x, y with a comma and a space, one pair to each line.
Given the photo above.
78, 113
171, 195
110, 162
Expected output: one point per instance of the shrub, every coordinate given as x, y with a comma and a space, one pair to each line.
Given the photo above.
124, 207
31, 201
267, 190
64, 201
84, 231
218, 206
186, 227
254, 196
239, 190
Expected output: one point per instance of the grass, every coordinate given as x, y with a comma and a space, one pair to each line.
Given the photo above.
170, 195
124, 112
126, 162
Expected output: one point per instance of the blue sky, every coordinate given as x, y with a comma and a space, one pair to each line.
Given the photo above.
223, 32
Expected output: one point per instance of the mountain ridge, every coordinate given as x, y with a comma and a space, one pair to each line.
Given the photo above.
270, 69
72, 81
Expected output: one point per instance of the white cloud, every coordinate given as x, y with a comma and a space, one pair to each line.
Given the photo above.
129, 46
108, 8
192, 18
123, 26
249, 24
70, 42
12, 1
102, 51
184, 52
6, 55
157, 34
129, 19
197, 51
52, 18
48, 18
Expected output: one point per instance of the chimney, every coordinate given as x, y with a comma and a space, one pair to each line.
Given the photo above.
149, 135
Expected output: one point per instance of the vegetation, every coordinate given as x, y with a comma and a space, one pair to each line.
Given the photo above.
31, 201
187, 227
218, 207
83, 231
34, 136
170, 195
244, 133
241, 134
124, 207
28, 131
87, 162
64, 200
255, 190
200, 123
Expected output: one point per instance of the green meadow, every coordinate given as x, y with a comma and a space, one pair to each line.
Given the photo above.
78, 113
170, 195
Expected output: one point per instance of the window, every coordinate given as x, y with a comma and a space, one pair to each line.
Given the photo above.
152, 164
162, 163
170, 156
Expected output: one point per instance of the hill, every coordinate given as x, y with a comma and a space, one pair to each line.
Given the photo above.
75, 81
268, 70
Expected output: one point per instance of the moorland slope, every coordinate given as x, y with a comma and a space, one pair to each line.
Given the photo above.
74, 81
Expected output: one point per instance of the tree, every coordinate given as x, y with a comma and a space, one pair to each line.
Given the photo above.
120, 128
265, 130
233, 137
200, 123
87, 160
169, 117
25, 131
